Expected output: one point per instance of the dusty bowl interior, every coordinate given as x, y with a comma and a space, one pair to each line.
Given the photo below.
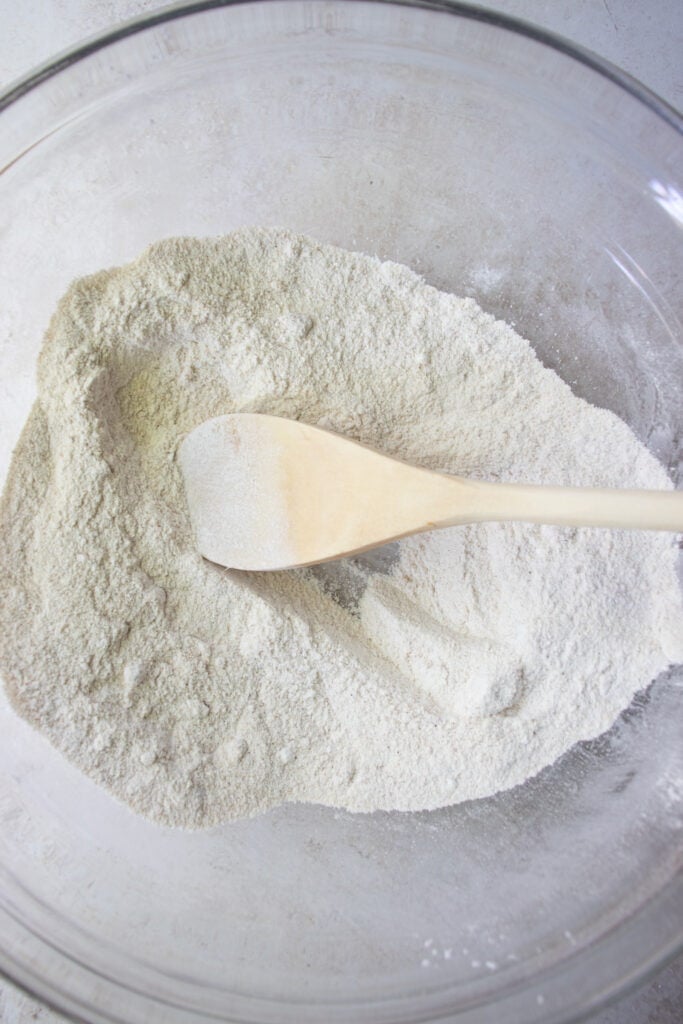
501, 167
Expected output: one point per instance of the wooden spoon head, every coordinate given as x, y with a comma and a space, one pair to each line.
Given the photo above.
270, 493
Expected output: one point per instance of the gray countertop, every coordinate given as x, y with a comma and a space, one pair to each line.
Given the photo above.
644, 37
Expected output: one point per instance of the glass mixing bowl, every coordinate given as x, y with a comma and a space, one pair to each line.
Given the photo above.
501, 163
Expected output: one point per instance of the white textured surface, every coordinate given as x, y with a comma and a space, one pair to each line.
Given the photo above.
471, 623
642, 36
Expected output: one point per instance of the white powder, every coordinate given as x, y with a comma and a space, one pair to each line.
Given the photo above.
449, 666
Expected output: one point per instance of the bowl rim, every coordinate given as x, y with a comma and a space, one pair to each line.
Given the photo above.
497, 19
29, 978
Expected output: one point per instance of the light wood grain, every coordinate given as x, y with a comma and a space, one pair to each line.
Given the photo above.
269, 493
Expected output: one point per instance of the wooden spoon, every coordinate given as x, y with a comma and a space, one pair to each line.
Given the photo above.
271, 493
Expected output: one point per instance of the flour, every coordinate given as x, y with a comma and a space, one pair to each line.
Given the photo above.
448, 667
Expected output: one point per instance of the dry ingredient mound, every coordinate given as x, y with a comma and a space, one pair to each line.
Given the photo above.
449, 667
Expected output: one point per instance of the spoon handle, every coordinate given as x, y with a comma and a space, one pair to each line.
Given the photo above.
572, 506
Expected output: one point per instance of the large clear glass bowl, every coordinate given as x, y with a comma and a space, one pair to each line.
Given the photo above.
501, 163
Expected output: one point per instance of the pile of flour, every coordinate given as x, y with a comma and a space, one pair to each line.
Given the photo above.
451, 666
